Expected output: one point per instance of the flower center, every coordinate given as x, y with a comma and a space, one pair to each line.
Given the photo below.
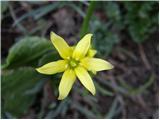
73, 63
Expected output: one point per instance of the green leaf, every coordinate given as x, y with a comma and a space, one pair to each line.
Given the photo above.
140, 19
104, 40
4, 6
40, 11
83, 110
143, 87
113, 12
85, 24
16, 87
103, 90
58, 110
77, 8
49, 57
136, 91
113, 110
25, 51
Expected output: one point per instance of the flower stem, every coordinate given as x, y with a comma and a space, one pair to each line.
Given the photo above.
86, 20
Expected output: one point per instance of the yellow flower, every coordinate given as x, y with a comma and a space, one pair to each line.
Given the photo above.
77, 61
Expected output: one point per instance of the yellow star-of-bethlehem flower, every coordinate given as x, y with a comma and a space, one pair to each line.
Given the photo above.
77, 61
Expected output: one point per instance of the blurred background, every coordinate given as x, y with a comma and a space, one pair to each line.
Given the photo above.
124, 33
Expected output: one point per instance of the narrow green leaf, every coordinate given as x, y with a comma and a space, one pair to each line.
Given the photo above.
103, 90
77, 9
142, 88
83, 110
87, 18
113, 109
38, 13
57, 111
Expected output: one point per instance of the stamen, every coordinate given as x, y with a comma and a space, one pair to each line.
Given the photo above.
73, 63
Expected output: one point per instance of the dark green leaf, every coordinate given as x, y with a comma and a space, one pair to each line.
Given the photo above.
114, 109
4, 6
57, 111
27, 50
15, 87
103, 39
142, 19
49, 57
103, 90
113, 12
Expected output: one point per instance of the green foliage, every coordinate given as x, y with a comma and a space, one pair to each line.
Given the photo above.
136, 91
26, 51
24, 82
59, 109
141, 19
40, 12
4, 6
114, 109
77, 9
84, 111
104, 40
103, 90
87, 18
113, 12
48, 57
107, 33
16, 89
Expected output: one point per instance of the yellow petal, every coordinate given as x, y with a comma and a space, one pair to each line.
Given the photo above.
60, 44
85, 79
53, 67
95, 64
66, 83
82, 47
91, 53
